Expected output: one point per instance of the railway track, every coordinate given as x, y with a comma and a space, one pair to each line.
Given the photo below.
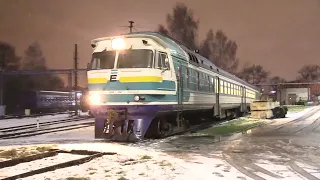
301, 118
44, 127
192, 129
32, 115
87, 156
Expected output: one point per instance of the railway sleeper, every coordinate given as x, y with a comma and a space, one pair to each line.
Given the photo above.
90, 155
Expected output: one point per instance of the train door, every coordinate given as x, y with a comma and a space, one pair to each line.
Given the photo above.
164, 64
180, 87
244, 99
217, 91
179, 118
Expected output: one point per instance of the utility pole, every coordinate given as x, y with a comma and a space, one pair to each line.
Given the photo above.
76, 77
1, 87
131, 26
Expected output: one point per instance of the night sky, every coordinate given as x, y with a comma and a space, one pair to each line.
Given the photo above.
281, 35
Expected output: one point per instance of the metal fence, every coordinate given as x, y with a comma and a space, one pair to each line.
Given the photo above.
14, 83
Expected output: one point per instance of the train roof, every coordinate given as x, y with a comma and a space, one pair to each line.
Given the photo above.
182, 50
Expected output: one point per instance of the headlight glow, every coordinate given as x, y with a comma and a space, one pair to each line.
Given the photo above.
118, 44
94, 99
136, 98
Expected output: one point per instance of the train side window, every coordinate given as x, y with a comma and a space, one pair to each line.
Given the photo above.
217, 85
187, 77
231, 89
209, 83
162, 61
221, 87
237, 90
212, 84
198, 83
227, 88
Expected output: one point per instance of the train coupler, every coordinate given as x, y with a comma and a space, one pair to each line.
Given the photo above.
118, 127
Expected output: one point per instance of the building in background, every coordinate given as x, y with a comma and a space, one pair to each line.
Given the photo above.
293, 93
298, 93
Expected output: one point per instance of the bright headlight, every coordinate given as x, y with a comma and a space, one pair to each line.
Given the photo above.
118, 44
94, 99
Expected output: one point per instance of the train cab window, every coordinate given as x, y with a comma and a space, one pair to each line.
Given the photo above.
135, 58
161, 61
103, 60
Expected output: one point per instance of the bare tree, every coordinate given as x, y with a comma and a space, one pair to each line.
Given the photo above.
254, 74
207, 46
34, 59
216, 47
163, 30
220, 50
309, 73
182, 26
276, 80
8, 58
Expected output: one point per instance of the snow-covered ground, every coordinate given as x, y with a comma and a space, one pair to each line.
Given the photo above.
4, 123
37, 164
194, 159
136, 163
133, 163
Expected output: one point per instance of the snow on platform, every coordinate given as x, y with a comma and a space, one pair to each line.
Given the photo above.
71, 136
5, 123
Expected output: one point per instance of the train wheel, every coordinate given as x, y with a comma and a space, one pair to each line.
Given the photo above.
163, 127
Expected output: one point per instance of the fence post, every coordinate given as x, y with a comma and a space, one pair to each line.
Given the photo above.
76, 78
70, 90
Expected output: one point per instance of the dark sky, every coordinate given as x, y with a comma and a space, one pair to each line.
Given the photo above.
281, 35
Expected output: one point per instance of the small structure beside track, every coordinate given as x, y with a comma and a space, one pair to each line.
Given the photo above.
266, 109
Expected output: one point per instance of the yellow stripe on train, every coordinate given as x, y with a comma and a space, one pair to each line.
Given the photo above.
141, 79
97, 80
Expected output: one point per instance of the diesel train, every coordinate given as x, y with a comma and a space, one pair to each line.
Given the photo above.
146, 84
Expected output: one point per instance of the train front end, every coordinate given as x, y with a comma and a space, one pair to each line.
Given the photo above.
129, 82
